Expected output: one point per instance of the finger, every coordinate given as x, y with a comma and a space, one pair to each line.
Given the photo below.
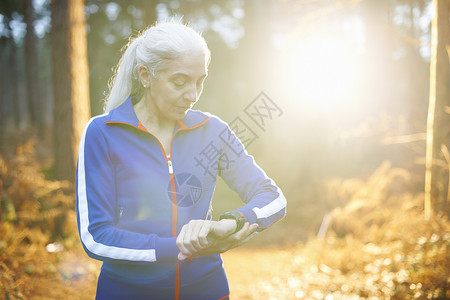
204, 231
199, 233
192, 234
187, 239
191, 239
253, 227
243, 232
180, 241
249, 230
246, 230
203, 234
211, 239
182, 256
245, 239
249, 237
230, 242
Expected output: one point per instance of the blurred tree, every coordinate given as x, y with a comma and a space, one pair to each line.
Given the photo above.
9, 50
438, 122
70, 83
13, 78
378, 47
9, 99
32, 68
110, 25
3, 100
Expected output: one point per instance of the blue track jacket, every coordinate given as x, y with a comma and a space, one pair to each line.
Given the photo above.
133, 199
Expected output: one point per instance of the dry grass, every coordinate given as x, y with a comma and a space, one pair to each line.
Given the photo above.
377, 247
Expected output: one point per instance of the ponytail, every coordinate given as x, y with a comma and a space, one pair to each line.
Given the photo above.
126, 79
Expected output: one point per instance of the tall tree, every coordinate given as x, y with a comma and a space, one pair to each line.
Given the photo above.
109, 34
31, 66
2, 88
437, 123
11, 55
70, 82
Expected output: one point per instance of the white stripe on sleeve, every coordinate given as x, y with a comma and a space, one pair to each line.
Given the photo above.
86, 236
271, 208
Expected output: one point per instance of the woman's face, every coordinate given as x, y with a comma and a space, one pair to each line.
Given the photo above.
178, 86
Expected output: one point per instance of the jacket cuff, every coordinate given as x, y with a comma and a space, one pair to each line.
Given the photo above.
166, 248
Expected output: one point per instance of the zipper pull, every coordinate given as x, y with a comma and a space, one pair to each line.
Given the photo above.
169, 163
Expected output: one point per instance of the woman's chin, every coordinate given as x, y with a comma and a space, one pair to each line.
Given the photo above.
180, 114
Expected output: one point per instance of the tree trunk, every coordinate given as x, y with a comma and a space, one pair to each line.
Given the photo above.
437, 123
31, 69
3, 90
14, 84
70, 83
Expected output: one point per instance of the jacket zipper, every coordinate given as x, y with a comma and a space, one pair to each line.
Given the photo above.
174, 220
168, 159
173, 188
169, 164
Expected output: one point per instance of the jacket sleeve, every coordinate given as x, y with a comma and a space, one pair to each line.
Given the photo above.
265, 202
96, 201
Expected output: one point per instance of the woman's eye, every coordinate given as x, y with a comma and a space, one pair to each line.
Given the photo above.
179, 83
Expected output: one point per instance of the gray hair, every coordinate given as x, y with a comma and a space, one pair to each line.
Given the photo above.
153, 49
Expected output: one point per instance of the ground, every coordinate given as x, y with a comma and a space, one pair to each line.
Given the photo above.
376, 245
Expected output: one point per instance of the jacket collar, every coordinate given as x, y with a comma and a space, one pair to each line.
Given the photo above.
124, 114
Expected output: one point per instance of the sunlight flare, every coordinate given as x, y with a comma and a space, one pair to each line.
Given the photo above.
322, 69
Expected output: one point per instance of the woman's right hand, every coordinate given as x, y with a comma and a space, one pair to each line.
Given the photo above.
193, 236
202, 237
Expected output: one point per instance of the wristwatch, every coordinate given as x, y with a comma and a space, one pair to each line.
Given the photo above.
234, 215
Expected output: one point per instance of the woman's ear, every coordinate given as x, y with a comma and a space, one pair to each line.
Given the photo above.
144, 76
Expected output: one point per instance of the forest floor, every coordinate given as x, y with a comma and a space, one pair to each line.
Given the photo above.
376, 246
263, 273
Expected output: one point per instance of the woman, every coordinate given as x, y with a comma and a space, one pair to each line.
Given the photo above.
146, 175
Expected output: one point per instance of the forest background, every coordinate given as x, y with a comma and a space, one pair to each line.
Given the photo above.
345, 104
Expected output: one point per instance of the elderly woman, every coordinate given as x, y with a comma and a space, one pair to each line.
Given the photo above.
146, 175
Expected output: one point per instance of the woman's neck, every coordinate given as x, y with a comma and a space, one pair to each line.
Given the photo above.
150, 116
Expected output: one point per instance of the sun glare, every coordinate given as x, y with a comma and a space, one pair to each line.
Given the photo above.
322, 69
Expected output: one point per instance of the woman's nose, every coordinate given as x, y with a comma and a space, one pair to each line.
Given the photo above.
191, 94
